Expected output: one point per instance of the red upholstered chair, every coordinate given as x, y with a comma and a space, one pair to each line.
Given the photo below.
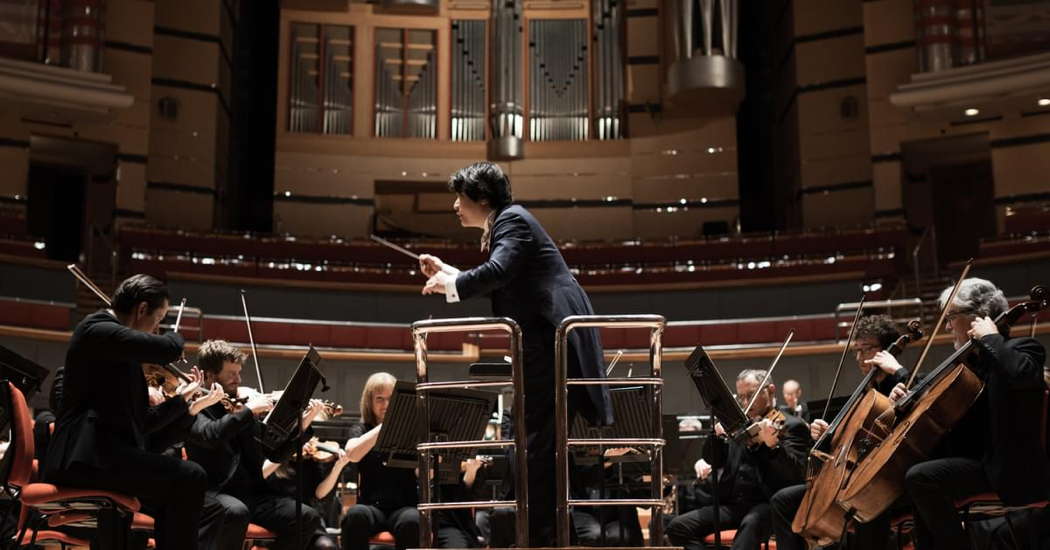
46, 498
729, 535
382, 538
257, 533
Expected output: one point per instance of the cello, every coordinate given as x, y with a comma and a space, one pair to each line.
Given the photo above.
919, 419
820, 517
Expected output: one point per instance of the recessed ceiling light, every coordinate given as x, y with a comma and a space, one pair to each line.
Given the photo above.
1043, 101
971, 112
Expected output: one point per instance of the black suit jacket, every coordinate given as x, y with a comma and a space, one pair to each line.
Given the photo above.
753, 474
105, 405
802, 412
1004, 424
222, 442
527, 280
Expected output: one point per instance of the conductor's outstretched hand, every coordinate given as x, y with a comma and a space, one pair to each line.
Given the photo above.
430, 265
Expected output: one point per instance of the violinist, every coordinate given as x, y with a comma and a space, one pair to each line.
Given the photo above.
223, 441
872, 336
752, 471
996, 446
321, 470
100, 438
387, 496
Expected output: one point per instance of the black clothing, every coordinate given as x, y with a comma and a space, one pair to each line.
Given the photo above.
872, 535
802, 411
527, 280
224, 444
386, 501
285, 481
105, 403
995, 447
382, 486
748, 478
362, 521
607, 525
100, 438
751, 522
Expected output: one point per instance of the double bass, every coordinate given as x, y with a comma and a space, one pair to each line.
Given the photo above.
820, 517
919, 419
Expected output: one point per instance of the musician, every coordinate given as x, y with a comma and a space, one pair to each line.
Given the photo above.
386, 496
527, 280
872, 335
793, 403
996, 446
100, 438
606, 525
751, 472
223, 442
320, 476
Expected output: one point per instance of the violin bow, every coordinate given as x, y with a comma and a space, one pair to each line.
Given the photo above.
178, 317
251, 340
80, 276
940, 322
842, 358
769, 372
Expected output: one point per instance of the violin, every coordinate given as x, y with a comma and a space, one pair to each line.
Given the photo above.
321, 451
169, 378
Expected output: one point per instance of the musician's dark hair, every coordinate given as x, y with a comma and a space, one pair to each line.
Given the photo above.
137, 289
482, 181
214, 353
880, 327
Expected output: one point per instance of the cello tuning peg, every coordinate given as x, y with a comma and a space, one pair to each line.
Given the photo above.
1039, 293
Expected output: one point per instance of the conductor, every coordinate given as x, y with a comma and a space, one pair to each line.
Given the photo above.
527, 280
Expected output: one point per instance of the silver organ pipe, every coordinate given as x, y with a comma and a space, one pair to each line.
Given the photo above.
559, 106
607, 18
505, 39
468, 80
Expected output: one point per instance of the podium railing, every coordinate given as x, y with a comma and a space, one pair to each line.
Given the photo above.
420, 330
655, 324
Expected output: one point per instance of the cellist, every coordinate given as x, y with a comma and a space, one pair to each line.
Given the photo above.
874, 334
996, 446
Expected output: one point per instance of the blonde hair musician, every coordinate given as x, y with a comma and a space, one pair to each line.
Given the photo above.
387, 496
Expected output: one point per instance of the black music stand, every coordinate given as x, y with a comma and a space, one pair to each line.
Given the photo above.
715, 392
284, 422
683, 446
23, 373
455, 415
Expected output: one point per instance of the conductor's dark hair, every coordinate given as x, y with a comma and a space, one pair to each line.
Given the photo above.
136, 289
482, 181
880, 327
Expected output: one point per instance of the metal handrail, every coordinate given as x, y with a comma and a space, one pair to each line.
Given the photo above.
852, 308
656, 325
420, 330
